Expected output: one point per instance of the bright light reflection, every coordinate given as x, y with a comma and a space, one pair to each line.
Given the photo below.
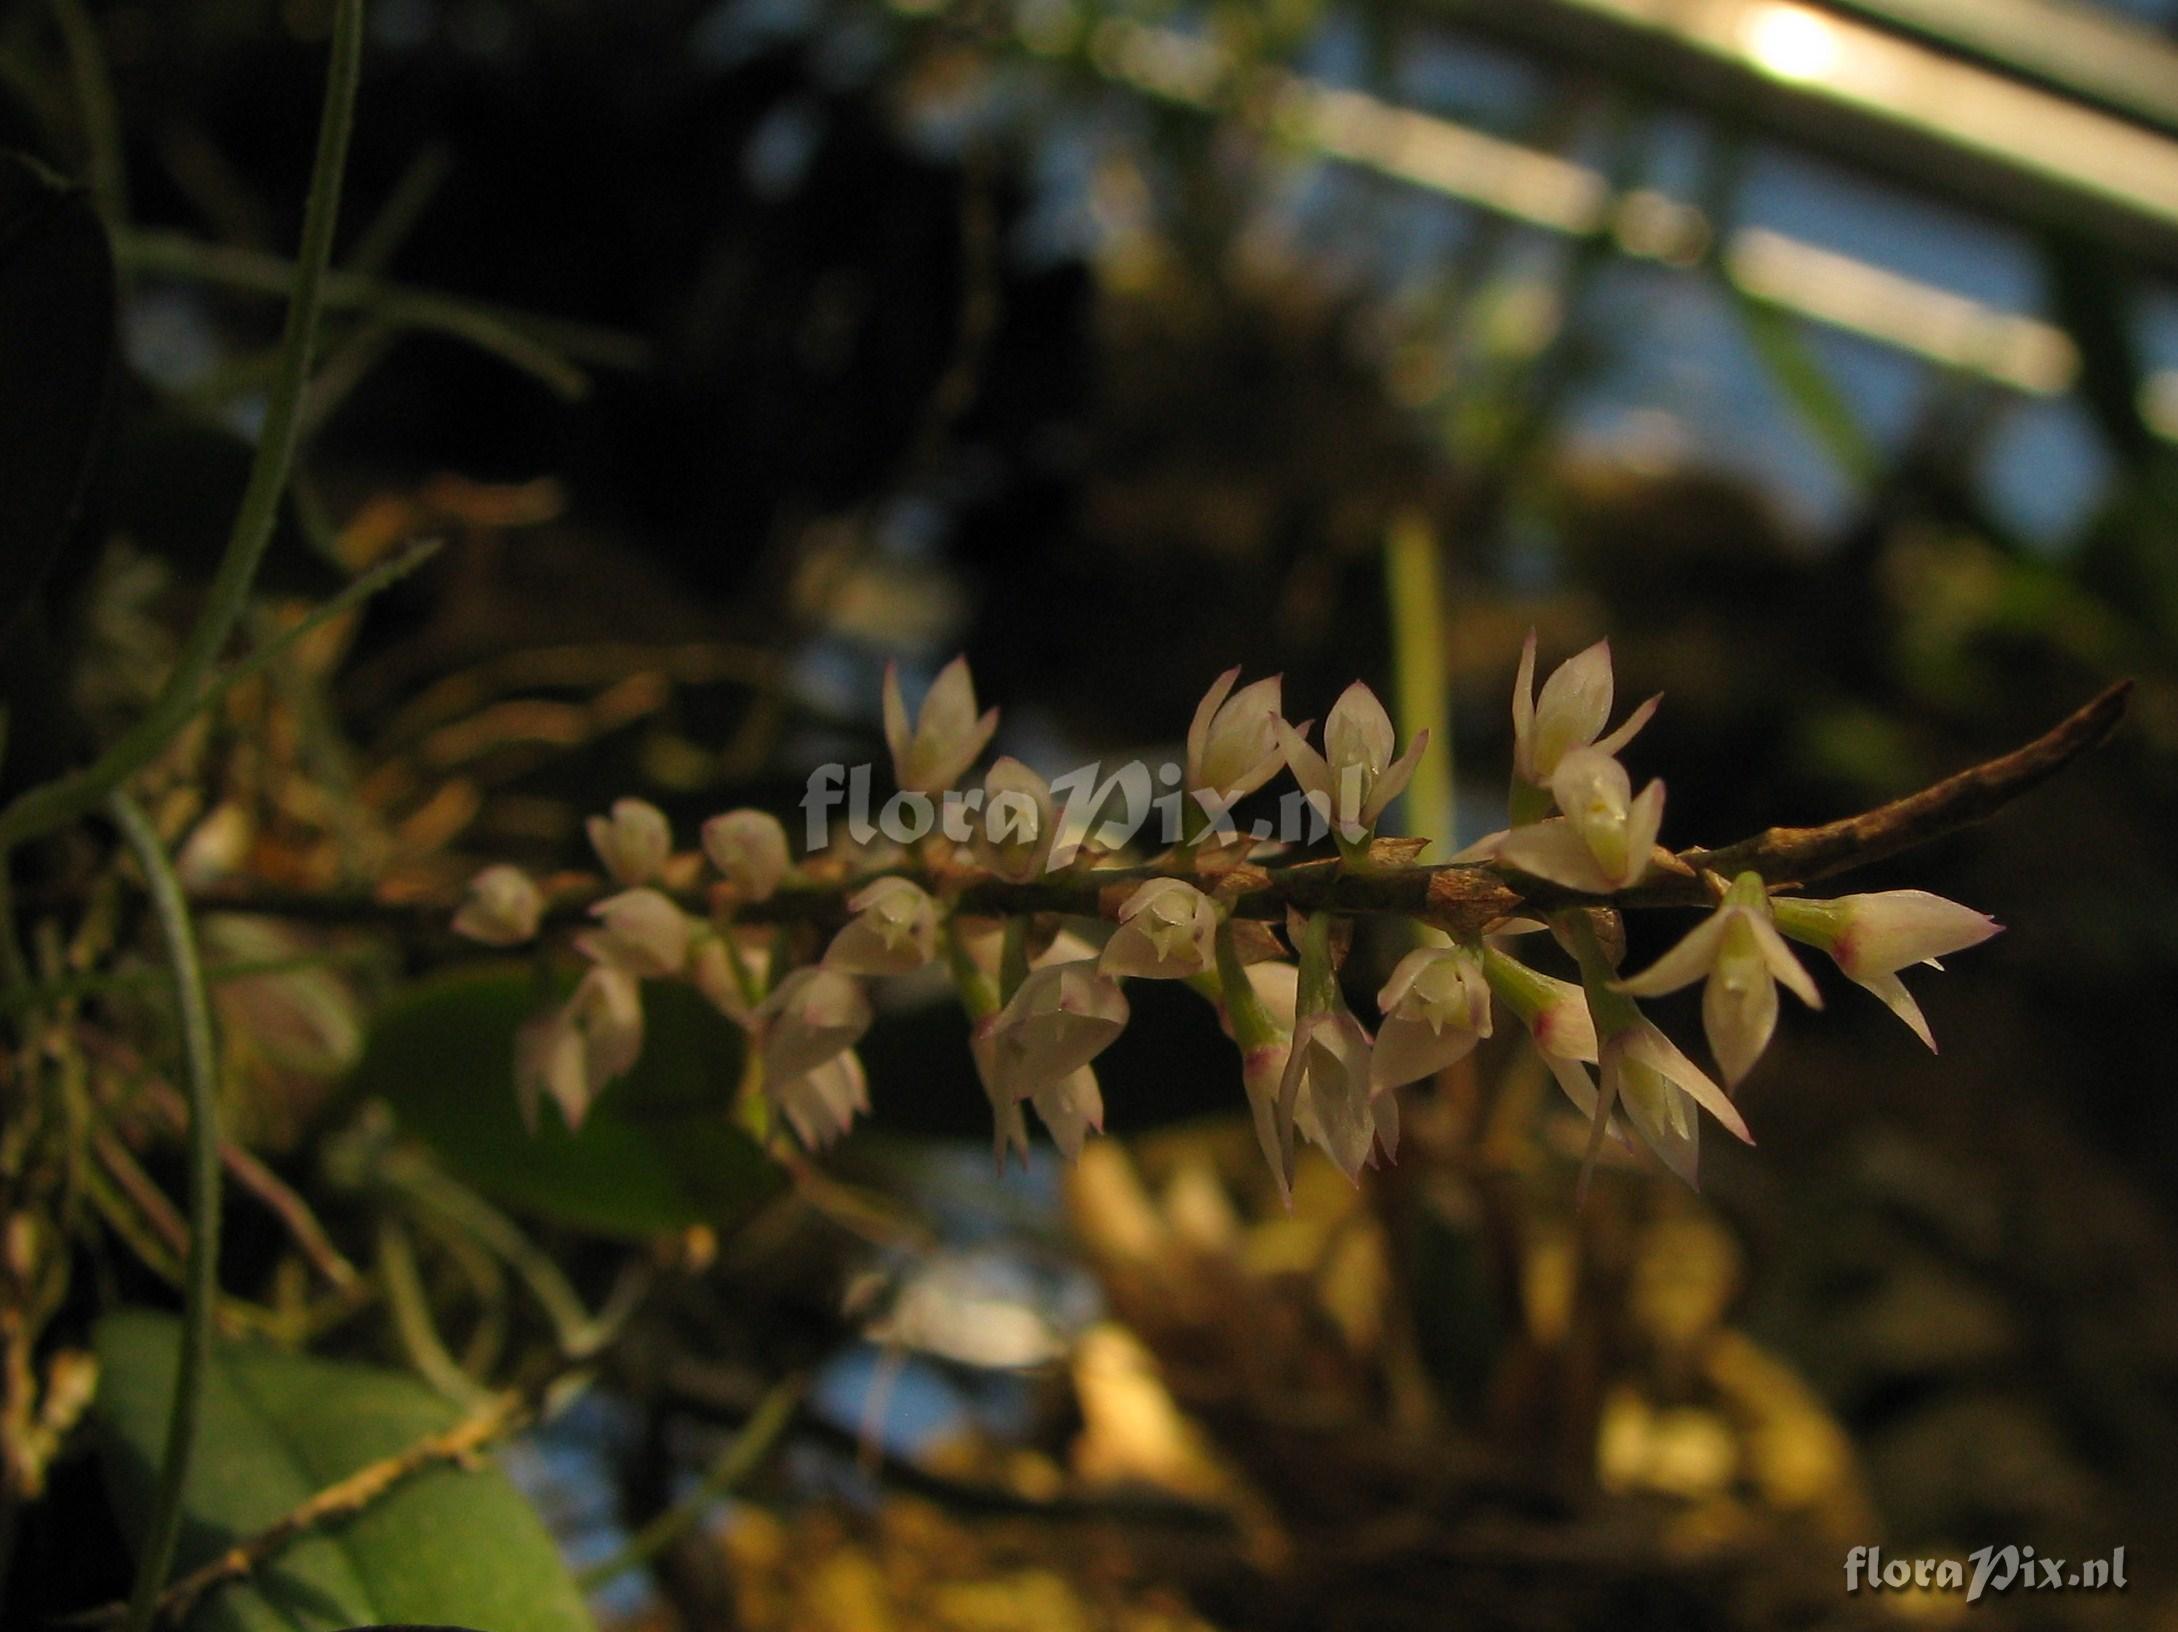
1791, 42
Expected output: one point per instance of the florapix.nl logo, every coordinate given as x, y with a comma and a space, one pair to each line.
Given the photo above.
1108, 808
1985, 1570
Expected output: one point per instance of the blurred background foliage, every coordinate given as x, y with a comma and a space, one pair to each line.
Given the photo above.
737, 347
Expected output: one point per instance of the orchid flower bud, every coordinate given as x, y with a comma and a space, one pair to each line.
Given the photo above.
1277, 986
503, 907
821, 1104
1436, 1007
1009, 1128
1167, 931
575, 1050
1657, 1088
1256, 1006
634, 842
1575, 704
1556, 1015
1874, 936
1063, 1016
1263, 1080
1070, 1107
894, 930
1603, 841
1352, 781
1016, 828
812, 1016
1642, 1073
947, 735
641, 931
1232, 743
1326, 1091
1740, 954
749, 848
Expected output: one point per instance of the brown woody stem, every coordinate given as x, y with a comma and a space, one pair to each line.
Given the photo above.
1463, 898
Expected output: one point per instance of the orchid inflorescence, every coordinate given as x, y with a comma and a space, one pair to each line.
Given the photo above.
1044, 993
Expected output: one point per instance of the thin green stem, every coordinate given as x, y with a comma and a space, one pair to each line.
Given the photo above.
1421, 676
382, 235
1319, 981
45, 808
97, 107
978, 992
1013, 958
743, 1454
200, 1287
1252, 1022
547, 347
351, 595
1800, 378
577, 1332
413, 1324
1612, 1010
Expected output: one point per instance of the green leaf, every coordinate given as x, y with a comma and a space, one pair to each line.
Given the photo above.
449, 1545
659, 1150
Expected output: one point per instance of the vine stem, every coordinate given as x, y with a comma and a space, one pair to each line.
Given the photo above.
45, 808
200, 1282
52, 805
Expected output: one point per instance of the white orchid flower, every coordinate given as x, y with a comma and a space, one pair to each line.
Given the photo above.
812, 1016
749, 848
947, 734
573, 1051
503, 907
1352, 781
1232, 743
1874, 936
1436, 1007
1740, 955
634, 842
1603, 841
821, 1104
1017, 826
894, 930
640, 931
1167, 931
1571, 712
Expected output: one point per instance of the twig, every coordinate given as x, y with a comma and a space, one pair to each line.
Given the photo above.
136, 1186
504, 1414
276, 1195
743, 1454
1804, 854
707, 1393
536, 345
1463, 898
280, 1199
